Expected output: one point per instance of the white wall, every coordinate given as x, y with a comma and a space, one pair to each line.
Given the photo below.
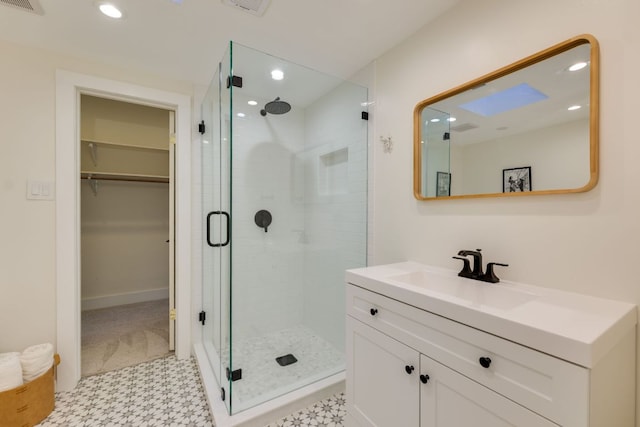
581, 242
27, 228
124, 229
558, 156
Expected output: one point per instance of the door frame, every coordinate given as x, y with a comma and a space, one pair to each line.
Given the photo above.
69, 87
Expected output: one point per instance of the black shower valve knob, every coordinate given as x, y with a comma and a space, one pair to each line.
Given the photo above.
263, 219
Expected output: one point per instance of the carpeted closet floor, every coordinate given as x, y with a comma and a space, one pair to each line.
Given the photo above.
116, 337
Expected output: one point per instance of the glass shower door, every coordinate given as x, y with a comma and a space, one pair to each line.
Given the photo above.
298, 192
215, 227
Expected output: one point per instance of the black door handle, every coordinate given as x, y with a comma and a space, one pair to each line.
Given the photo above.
424, 378
409, 369
226, 242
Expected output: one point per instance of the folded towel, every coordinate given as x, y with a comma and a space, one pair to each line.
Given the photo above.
36, 360
10, 371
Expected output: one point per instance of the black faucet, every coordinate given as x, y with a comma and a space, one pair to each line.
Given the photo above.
477, 262
477, 273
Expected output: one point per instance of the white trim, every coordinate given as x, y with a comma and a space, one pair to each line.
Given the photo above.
125, 298
69, 86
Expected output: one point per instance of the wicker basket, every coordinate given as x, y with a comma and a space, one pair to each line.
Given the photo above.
30, 403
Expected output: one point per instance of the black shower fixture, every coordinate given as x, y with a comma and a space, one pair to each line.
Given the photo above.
275, 107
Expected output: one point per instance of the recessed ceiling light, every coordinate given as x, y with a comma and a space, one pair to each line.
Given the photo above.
277, 74
241, 114
435, 120
574, 107
110, 10
578, 66
451, 119
252, 102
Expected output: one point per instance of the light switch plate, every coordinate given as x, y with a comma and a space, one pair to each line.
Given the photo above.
39, 190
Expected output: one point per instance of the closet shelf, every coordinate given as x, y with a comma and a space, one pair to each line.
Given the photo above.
106, 176
125, 146
112, 161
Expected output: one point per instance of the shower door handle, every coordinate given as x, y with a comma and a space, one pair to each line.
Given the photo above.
226, 242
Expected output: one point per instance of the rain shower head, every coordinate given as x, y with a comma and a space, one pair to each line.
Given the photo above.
276, 107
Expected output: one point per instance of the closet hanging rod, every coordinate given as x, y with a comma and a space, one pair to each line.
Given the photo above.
131, 178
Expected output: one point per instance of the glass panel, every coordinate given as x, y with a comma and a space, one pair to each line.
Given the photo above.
435, 153
216, 217
210, 199
299, 184
225, 124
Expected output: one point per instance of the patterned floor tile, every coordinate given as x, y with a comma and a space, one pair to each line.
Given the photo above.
143, 395
163, 392
329, 412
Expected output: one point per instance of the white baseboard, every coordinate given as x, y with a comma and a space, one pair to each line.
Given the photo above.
125, 298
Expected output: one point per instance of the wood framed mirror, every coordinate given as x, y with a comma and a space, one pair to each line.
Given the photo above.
530, 128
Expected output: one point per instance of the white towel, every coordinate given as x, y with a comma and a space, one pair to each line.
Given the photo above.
36, 360
10, 371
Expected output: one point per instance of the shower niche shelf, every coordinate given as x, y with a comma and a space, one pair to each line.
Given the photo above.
333, 173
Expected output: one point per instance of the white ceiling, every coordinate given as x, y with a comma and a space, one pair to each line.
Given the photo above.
185, 40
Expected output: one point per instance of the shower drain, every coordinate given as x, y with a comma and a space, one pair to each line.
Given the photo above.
287, 359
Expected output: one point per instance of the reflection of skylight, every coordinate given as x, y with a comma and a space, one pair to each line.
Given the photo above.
508, 99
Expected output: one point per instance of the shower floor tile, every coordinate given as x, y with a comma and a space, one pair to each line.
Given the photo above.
263, 378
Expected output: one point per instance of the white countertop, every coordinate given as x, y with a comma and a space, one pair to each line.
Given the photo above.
578, 328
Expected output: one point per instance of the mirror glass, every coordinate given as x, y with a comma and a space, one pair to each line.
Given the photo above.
528, 128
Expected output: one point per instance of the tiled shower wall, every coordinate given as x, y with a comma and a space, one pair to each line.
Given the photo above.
308, 168
267, 266
335, 215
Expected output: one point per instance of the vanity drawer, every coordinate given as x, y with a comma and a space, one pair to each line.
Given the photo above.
554, 388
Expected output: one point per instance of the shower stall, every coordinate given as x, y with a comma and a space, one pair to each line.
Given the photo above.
284, 211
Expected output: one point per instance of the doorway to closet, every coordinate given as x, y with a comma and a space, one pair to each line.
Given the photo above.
127, 234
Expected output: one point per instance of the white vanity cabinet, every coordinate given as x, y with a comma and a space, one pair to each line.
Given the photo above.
408, 366
450, 399
392, 384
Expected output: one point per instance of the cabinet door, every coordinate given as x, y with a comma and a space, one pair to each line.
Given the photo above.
382, 388
449, 399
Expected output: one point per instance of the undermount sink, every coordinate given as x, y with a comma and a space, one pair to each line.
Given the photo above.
471, 292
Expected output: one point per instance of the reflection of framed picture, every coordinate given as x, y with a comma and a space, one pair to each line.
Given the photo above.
516, 180
443, 184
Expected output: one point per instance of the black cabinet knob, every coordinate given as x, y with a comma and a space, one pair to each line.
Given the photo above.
373, 311
424, 378
485, 362
409, 369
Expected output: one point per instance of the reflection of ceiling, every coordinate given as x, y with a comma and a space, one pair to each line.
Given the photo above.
185, 39
562, 87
